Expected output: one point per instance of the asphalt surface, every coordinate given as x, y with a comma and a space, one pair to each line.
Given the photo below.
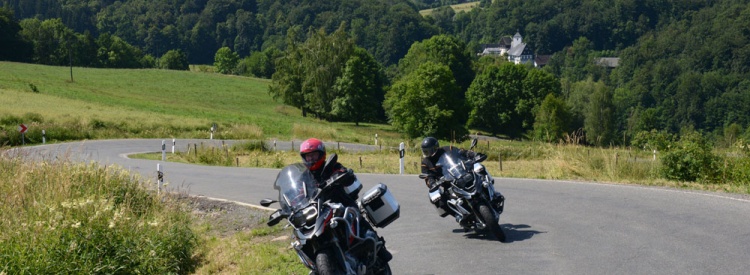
553, 227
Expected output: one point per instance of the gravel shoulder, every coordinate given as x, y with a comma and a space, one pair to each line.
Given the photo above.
225, 217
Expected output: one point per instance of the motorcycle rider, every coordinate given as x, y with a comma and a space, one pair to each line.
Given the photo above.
313, 153
431, 152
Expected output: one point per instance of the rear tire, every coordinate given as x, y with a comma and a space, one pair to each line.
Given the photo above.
491, 222
327, 263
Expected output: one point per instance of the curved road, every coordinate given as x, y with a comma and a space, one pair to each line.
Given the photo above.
553, 227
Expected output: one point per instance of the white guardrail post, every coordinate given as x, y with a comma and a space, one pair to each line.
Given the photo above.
401, 158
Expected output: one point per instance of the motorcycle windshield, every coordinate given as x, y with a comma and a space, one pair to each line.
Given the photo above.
296, 187
452, 165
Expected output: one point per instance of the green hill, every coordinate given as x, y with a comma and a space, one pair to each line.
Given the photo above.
150, 103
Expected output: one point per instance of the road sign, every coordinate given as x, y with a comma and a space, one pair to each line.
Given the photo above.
22, 128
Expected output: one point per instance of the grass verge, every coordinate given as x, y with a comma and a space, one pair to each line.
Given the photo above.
62, 218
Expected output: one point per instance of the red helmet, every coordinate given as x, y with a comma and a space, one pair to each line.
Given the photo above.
313, 153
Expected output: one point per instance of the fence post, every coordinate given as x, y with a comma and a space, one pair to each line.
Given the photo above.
159, 178
500, 161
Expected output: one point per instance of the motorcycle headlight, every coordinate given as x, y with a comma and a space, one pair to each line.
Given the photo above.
304, 217
465, 181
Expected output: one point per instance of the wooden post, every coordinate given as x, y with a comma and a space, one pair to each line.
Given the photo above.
195, 148
237, 160
360, 162
617, 155
500, 161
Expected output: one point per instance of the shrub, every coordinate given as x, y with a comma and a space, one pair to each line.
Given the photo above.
652, 140
691, 159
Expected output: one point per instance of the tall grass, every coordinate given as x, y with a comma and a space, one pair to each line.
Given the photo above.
61, 218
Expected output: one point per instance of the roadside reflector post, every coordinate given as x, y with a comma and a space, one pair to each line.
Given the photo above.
159, 178
173, 144
401, 158
44, 137
163, 150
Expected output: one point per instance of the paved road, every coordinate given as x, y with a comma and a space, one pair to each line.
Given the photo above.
553, 227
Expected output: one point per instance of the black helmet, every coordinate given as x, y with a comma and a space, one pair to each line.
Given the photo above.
429, 146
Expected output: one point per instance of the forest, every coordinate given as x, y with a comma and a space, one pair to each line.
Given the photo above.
683, 64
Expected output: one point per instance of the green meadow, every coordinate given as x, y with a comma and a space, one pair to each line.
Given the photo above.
151, 103
463, 7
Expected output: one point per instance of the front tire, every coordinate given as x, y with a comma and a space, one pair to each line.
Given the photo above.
491, 222
386, 270
327, 263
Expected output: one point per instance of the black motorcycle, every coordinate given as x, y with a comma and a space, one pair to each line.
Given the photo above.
329, 237
471, 192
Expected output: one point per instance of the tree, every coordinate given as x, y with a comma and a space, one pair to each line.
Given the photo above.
599, 124
494, 97
114, 52
427, 102
552, 119
306, 73
260, 64
225, 60
174, 60
441, 49
358, 87
52, 41
13, 47
323, 60
286, 82
537, 85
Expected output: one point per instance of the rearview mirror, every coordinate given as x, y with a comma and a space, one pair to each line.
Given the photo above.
473, 143
267, 202
422, 176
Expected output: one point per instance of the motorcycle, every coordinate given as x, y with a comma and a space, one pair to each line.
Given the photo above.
471, 193
329, 237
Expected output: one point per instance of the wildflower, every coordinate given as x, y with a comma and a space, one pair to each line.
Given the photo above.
77, 224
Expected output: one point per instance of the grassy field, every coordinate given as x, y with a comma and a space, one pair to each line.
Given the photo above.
109, 103
465, 7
